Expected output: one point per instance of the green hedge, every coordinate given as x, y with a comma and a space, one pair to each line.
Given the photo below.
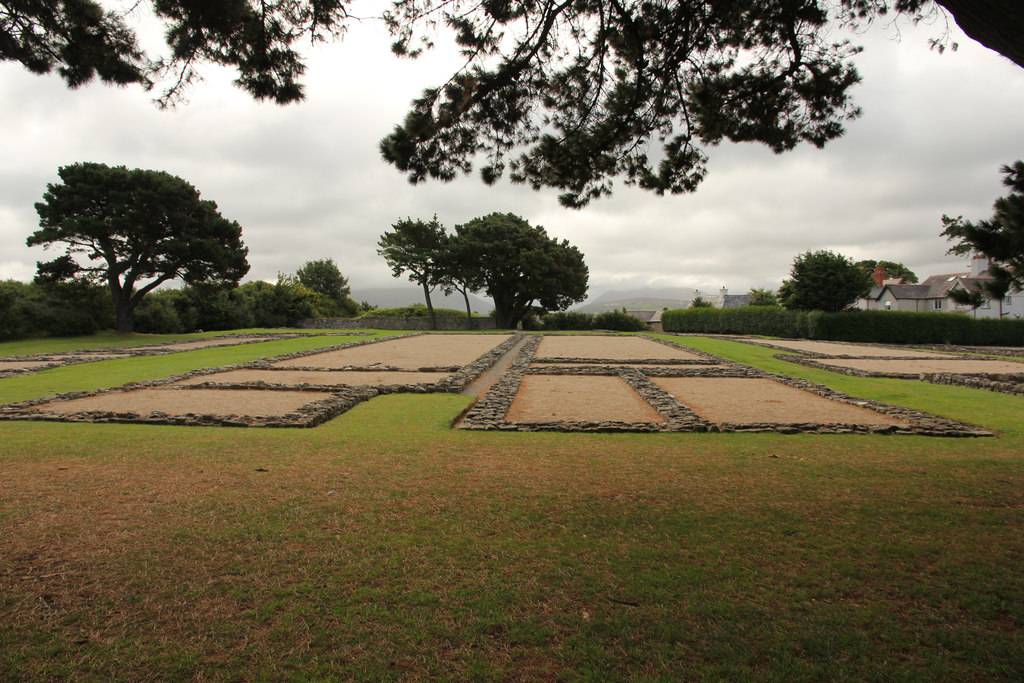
575, 320
888, 327
771, 321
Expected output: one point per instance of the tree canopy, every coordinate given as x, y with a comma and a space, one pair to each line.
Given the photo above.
1000, 237
133, 230
823, 281
521, 267
417, 247
893, 269
324, 277
763, 297
558, 93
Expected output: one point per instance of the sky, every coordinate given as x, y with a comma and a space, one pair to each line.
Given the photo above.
306, 181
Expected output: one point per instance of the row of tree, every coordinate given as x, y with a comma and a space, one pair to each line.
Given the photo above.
518, 265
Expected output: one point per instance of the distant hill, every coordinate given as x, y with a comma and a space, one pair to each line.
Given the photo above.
651, 299
394, 297
636, 304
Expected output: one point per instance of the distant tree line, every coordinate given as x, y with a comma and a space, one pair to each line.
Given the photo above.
518, 265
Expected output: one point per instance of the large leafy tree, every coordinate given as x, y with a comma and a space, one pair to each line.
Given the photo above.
459, 273
569, 94
893, 269
521, 267
133, 230
1000, 237
417, 247
324, 277
823, 281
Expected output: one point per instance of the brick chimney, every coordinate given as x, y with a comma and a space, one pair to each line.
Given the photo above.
879, 276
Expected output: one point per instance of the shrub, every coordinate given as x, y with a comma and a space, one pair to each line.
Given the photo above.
158, 314
15, 310
765, 320
58, 309
904, 327
412, 311
619, 321
567, 320
887, 327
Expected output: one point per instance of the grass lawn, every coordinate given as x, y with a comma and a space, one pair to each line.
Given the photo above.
385, 546
113, 340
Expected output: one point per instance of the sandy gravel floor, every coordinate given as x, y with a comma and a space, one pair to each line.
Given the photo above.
183, 401
612, 348
207, 343
956, 367
424, 351
627, 365
837, 349
738, 401
321, 377
23, 364
563, 398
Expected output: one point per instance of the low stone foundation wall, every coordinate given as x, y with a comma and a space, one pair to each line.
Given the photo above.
489, 413
342, 399
1002, 383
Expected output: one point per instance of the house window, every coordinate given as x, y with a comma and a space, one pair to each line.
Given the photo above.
987, 305
1008, 300
938, 304
888, 305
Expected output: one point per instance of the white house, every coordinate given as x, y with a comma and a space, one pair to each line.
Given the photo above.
932, 294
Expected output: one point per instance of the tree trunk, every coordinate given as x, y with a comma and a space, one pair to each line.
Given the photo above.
430, 306
996, 24
469, 313
502, 313
125, 321
123, 306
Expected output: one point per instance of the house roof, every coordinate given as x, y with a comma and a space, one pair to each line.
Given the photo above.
735, 300
934, 287
646, 316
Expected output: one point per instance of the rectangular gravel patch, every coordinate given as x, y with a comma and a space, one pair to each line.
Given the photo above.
608, 348
928, 366
317, 377
840, 349
180, 402
564, 398
754, 401
408, 353
23, 364
206, 343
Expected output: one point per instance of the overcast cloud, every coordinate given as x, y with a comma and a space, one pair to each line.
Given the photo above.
306, 181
